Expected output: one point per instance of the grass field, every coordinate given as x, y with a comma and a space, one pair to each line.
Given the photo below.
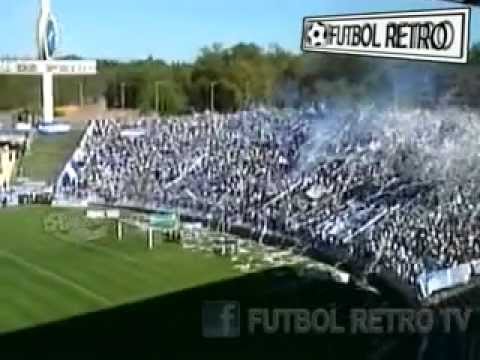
48, 155
49, 273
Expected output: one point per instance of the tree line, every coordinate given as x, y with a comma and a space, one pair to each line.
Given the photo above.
230, 78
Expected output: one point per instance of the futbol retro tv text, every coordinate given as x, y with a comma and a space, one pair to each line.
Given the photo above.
223, 319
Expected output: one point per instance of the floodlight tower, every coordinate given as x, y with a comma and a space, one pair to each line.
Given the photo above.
47, 66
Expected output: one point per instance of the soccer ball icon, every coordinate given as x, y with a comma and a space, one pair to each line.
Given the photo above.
317, 34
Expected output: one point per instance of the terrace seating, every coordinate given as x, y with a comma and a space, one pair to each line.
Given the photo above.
381, 188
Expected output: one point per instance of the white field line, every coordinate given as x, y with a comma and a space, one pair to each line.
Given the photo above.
47, 273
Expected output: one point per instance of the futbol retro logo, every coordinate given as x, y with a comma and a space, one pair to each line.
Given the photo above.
434, 35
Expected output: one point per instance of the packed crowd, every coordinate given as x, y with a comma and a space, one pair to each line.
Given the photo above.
390, 190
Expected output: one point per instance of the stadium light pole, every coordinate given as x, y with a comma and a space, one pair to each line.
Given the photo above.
157, 94
247, 94
122, 94
80, 93
212, 95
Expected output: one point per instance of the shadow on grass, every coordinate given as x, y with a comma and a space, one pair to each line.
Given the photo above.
173, 322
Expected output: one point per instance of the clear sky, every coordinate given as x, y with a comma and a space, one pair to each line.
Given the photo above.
177, 29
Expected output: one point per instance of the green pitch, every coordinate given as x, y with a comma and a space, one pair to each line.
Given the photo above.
56, 264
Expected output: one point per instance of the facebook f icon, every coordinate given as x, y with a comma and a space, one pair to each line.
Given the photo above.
221, 319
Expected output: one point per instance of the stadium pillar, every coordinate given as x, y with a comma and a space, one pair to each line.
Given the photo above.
47, 95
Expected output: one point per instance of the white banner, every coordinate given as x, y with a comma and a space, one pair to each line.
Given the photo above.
434, 35
56, 67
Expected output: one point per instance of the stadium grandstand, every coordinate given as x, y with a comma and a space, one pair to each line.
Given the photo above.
378, 190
